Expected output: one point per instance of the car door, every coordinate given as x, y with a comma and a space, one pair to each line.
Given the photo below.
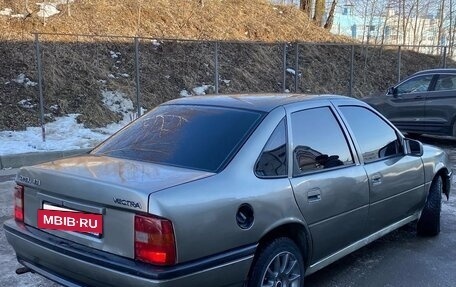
440, 106
396, 180
330, 186
405, 106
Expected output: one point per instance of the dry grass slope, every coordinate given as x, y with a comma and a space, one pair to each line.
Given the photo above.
217, 19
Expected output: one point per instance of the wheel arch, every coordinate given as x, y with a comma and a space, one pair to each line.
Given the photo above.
445, 174
296, 231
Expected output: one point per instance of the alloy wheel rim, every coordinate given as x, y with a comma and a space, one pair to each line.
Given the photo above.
282, 271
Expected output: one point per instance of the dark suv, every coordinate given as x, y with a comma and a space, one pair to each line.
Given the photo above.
424, 103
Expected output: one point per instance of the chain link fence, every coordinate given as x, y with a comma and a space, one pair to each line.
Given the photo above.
75, 74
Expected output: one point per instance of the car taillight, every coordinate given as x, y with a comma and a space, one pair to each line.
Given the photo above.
19, 203
154, 240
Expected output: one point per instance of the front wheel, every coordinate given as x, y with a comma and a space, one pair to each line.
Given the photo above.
279, 264
429, 222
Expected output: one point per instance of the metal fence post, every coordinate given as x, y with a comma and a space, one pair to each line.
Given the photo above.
216, 63
444, 57
40, 85
284, 67
138, 103
296, 67
399, 60
352, 68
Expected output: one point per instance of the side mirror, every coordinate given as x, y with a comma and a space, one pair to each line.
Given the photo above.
413, 147
392, 92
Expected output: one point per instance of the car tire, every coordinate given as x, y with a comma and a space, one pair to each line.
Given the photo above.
429, 222
279, 263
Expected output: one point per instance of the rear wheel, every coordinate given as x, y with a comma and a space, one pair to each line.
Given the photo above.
279, 264
429, 222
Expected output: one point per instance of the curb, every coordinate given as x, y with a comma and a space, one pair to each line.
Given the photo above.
32, 158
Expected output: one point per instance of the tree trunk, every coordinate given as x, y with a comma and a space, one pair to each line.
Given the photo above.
319, 11
440, 32
330, 20
305, 5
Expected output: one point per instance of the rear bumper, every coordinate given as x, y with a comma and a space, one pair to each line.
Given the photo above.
72, 264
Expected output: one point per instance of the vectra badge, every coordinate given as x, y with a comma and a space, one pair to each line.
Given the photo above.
128, 203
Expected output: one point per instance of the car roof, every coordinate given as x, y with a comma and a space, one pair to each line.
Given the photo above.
258, 102
435, 71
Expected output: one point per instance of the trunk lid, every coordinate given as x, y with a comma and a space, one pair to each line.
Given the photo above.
115, 188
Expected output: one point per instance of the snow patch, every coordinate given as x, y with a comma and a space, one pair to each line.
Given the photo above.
201, 90
18, 16
117, 102
197, 91
155, 43
23, 80
26, 104
65, 133
185, 93
47, 10
293, 72
125, 75
115, 55
6, 12
54, 108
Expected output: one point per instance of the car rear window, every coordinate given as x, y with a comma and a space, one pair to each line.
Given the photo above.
195, 137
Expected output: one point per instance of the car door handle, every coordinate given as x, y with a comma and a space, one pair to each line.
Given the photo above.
376, 178
314, 195
418, 97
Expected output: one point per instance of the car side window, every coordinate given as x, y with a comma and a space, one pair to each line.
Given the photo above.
319, 142
273, 159
445, 83
377, 140
415, 85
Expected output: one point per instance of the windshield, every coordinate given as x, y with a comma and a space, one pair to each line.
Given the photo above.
195, 137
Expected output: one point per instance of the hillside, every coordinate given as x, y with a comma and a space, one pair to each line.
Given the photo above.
255, 20
78, 71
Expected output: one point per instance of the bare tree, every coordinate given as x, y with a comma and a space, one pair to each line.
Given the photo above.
441, 18
319, 11
306, 6
330, 19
